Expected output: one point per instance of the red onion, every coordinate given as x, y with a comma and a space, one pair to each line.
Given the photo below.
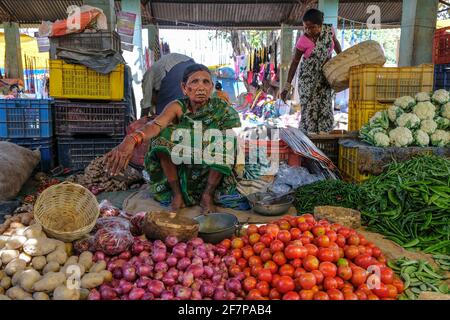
216, 278
168, 280
107, 293
136, 294
94, 295
172, 260
207, 290
216, 260
161, 267
134, 260
171, 241
98, 256
197, 260
208, 271
137, 248
184, 293
124, 297
147, 246
158, 244
159, 255
197, 284
125, 255
231, 295
179, 250
173, 273
187, 279
210, 255
167, 295
240, 276
229, 261
142, 282
196, 295
158, 275
196, 270
114, 283
124, 287
144, 270
117, 263
196, 242
144, 254
233, 285
183, 263
148, 261
155, 287
220, 249
220, 294
148, 296
129, 274
117, 273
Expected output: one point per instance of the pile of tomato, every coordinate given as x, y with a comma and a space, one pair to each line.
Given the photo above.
299, 258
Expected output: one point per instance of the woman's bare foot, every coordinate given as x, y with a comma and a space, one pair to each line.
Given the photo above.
177, 202
207, 204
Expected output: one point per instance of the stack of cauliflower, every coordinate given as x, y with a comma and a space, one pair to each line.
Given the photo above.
420, 121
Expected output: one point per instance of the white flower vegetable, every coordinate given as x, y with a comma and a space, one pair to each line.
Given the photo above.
401, 137
428, 126
423, 97
445, 111
421, 138
442, 123
408, 120
425, 110
406, 102
394, 112
441, 96
381, 139
440, 138
380, 120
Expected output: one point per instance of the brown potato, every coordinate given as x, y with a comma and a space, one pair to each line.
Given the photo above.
17, 293
51, 266
64, 293
39, 246
59, 256
38, 263
49, 282
15, 242
86, 259
14, 266
8, 255
40, 296
99, 266
28, 278
92, 280
5, 283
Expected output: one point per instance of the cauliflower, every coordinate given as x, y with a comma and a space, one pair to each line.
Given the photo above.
406, 102
394, 112
425, 110
422, 97
421, 138
442, 123
445, 111
380, 120
441, 96
428, 126
408, 120
381, 139
368, 134
401, 137
440, 138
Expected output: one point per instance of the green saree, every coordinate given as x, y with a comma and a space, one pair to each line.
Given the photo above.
193, 172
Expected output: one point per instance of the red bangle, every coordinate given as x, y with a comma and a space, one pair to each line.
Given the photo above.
136, 138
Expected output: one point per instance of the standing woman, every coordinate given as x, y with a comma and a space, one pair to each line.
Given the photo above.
316, 47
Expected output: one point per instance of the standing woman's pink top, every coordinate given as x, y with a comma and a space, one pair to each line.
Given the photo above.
306, 45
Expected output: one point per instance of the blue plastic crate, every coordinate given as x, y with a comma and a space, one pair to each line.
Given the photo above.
441, 77
26, 118
46, 147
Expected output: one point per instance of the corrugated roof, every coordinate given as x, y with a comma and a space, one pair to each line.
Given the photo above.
213, 13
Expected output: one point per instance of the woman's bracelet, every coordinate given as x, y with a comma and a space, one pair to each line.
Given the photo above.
138, 137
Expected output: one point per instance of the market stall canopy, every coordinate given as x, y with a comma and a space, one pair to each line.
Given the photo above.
207, 13
29, 48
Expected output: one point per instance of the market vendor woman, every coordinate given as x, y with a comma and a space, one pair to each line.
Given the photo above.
191, 183
316, 47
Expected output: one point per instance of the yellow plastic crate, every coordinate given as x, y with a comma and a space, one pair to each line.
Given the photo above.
348, 164
385, 84
359, 112
72, 81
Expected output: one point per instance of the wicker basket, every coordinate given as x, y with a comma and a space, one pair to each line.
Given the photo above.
66, 211
160, 224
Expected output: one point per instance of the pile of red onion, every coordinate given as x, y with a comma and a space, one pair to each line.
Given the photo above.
169, 270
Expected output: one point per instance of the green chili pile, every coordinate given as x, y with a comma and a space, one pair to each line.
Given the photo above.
410, 203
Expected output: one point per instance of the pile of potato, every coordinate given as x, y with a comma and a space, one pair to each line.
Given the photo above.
16, 221
34, 267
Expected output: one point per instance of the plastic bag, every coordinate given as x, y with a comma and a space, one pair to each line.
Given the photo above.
108, 210
292, 178
84, 244
113, 235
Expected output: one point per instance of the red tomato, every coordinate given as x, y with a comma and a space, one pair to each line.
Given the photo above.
286, 270
265, 275
249, 283
350, 296
381, 291
309, 235
330, 283
247, 272
237, 243
335, 294
256, 269
369, 251
321, 296
344, 272
276, 246
285, 284
263, 287
364, 288
245, 239
293, 221
226, 243
254, 294
295, 233
266, 254
376, 252
344, 231
310, 263
271, 266
308, 217
262, 229
319, 276
332, 235
361, 295
274, 294
347, 288
295, 252
359, 276
353, 240
398, 284
296, 263
254, 261
364, 261
291, 295
266, 239
392, 291
258, 247
236, 253
254, 238
252, 228
279, 258
242, 263
318, 231
312, 249
340, 240
300, 220
328, 269
272, 230
387, 275
362, 249
298, 272
351, 252
305, 240
340, 282
307, 280
326, 254
303, 226
284, 225
306, 294
342, 262
323, 241
247, 252
372, 297
275, 279
362, 240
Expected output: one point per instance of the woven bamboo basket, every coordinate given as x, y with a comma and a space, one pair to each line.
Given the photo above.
66, 211
161, 224
337, 70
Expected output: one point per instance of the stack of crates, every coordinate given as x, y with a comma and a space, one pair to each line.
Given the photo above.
90, 113
29, 123
441, 59
374, 88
